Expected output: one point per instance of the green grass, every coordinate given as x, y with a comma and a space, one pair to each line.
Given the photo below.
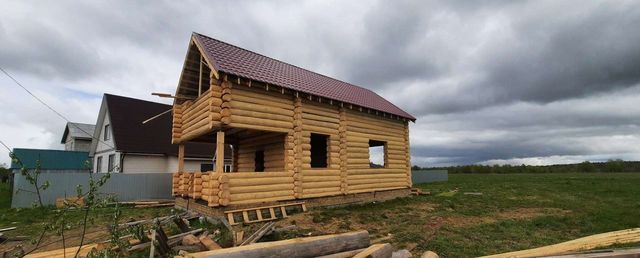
515, 211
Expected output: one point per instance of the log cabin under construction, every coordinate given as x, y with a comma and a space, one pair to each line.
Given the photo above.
295, 135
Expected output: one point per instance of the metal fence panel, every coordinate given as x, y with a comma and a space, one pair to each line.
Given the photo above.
428, 176
125, 187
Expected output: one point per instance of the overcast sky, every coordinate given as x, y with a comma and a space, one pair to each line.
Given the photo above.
536, 82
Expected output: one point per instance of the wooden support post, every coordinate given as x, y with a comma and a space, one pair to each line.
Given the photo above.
220, 152
295, 142
181, 158
342, 133
408, 153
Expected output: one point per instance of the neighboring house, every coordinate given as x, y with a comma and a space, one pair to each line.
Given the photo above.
77, 136
122, 143
295, 134
51, 160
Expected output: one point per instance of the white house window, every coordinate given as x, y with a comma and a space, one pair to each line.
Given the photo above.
112, 162
99, 165
107, 132
377, 154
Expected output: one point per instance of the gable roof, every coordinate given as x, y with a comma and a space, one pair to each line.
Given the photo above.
130, 135
240, 62
77, 130
51, 159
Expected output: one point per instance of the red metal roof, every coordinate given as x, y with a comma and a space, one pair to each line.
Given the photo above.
240, 62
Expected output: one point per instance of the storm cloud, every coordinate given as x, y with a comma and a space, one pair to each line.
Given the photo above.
490, 82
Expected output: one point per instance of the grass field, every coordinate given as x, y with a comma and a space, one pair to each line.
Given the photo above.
515, 211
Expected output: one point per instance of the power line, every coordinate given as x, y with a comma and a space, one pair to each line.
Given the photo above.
52, 109
1, 142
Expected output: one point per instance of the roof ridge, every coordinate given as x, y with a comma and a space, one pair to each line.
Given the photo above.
329, 77
131, 98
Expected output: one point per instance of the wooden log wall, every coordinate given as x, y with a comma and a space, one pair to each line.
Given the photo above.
196, 118
321, 119
250, 187
259, 109
176, 181
361, 128
272, 144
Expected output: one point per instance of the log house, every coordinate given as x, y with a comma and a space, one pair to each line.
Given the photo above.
294, 134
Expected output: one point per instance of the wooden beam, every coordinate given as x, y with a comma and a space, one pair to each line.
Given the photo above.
220, 152
181, 158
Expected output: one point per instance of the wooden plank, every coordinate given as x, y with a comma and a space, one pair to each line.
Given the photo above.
585, 243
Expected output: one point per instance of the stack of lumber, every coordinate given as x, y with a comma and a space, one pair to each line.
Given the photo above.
176, 182
196, 191
585, 243
186, 184
66, 252
209, 187
74, 201
150, 203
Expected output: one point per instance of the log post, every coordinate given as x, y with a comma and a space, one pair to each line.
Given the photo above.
219, 152
181, 158
342, 133
299, 247
297, 147
407, 153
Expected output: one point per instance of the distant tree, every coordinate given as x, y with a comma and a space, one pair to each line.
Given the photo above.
586, 166
614, 165
4, 173
416, 167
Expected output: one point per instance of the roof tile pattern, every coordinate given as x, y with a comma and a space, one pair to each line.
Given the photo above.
247, 64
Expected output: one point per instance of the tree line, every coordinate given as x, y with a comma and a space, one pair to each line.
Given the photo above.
586, 166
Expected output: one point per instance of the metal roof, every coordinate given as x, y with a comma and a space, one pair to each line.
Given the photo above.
78, 130
240, 62
51, 159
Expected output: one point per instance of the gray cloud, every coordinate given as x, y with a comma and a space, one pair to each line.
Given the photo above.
494, 80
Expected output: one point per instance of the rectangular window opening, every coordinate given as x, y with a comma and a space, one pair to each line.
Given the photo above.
377, 154
107, 132
99, 165
206, 167
112, 162
319, 146
259, 161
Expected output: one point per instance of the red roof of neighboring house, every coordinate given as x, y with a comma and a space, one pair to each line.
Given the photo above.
240, 62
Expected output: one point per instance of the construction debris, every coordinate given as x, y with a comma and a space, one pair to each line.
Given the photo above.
418, 191
585, 243
472, 193
265, 229
62, 202
404, 253
7, 229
